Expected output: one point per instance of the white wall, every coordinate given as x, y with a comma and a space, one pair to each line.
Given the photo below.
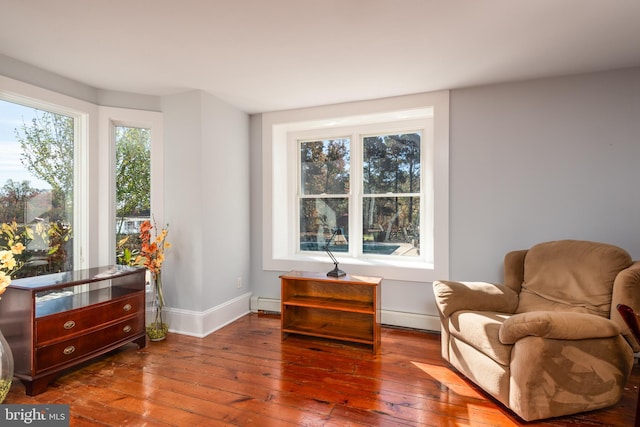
543, 160
226, 201
529, 162
183, 195
206, 205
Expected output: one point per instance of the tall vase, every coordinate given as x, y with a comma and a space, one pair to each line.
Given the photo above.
157, 329
6, 367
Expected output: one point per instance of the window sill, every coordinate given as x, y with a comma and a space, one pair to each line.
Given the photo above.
401, 270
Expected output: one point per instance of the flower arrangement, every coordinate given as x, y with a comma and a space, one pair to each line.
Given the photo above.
8, 262
152, 257
152, 249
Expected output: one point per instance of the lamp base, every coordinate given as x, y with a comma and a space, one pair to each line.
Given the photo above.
336, 272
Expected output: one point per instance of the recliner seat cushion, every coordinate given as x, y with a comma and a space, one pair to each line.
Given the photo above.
571, 275
480, 329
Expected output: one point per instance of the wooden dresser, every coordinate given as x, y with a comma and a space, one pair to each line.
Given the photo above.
55, 321
344, 308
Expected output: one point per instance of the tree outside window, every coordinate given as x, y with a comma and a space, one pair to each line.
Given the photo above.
37, 193
391, 194
133, 189
37, 180
324, 183
389, 205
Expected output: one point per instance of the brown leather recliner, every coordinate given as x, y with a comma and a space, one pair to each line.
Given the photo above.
549, 341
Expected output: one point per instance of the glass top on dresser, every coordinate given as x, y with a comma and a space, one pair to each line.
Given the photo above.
58, 292
72, 278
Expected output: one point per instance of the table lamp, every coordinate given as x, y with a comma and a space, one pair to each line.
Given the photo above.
339, 240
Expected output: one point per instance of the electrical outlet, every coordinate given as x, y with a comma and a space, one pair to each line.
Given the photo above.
239, 282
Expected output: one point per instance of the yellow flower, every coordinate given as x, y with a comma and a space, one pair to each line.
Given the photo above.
5, 280
11, 246
17, 248
9, 263
5, 257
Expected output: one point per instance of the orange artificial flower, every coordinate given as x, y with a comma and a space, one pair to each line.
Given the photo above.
152, 251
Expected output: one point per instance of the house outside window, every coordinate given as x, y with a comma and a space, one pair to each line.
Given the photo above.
376, 171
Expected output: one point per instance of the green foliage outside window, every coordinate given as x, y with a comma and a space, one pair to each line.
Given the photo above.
46, 214
390, 202
133, 189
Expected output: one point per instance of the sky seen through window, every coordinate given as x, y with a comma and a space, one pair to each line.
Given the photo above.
12, 117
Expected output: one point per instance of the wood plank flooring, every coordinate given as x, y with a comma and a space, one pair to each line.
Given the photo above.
244, 375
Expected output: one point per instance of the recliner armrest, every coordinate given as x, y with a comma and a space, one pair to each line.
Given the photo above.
556, 325
625, 292
477, 296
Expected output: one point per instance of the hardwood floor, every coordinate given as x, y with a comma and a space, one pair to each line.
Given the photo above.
244, 374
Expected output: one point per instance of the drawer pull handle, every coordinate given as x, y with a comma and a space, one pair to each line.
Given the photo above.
70, 324
127, 307
127, 329
69, 350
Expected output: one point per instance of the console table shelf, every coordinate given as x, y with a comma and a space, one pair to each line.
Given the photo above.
332, 304
56, 321
344, 308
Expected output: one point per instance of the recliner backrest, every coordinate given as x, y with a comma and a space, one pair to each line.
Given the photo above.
571, 275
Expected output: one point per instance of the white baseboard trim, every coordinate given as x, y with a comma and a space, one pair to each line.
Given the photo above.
201, 324
389, 317
411, 320
265, 304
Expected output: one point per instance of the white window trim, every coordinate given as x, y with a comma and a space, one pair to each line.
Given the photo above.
355, 134
110, 117
278, 164
85, 138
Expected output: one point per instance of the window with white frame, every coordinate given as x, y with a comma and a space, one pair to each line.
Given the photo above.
75, 140
131, 181
380, 180
43, 204
372, 198
133, 189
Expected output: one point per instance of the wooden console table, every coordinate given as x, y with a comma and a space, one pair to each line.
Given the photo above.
56, 321
344, 308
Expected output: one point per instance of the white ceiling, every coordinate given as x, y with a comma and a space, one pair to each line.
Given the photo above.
265, 55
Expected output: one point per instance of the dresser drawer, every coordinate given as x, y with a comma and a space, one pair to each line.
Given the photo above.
59, 326
75, 348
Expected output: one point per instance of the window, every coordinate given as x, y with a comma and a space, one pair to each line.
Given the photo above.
386, 216
131, 179
133, 189
81, 185
391, 193
37, 185
377, 171
324, 191
37, 194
